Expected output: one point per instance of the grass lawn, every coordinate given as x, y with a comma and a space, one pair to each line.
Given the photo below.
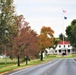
74, 55
12, 64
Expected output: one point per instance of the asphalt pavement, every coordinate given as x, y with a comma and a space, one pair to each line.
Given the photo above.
55, 67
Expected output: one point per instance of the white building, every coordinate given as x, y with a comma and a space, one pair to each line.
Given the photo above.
63, 48
50, 50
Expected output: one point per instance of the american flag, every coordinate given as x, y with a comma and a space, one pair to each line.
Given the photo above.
64, 11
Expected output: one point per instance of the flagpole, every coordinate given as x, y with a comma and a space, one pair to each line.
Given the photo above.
63, 17
63, 25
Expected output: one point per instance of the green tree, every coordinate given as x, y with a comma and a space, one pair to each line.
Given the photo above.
61, 36
56, 40
71, 32
6, 20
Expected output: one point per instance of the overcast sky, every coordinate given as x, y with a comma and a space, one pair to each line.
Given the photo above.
47, 13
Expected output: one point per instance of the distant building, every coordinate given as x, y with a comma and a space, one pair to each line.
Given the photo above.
50, 50
63, 48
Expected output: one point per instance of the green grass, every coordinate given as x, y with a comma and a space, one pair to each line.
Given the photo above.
74, 55
60, 56
9, 62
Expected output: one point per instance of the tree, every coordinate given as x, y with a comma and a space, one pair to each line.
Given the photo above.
56, 40
46, 39
71, 32
24, 43
6, 18
63, 37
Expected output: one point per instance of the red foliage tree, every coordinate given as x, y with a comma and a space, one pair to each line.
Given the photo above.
25, 42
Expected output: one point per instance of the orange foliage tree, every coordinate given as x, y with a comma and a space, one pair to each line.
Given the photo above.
46, 39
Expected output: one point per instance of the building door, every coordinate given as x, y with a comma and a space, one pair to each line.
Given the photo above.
64, 52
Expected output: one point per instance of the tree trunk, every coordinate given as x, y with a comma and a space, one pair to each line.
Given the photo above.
26, 59
18, 60
26, 62
5, 56
42, 55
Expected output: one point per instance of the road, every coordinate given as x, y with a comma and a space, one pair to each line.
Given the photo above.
55, 67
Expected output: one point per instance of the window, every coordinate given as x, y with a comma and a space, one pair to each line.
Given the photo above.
68, 45
59, 46
59, 51
64, 45
68, 50
55, 50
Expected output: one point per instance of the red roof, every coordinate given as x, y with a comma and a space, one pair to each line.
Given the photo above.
65, 42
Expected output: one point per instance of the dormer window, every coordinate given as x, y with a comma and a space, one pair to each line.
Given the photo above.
68, 45
64, 45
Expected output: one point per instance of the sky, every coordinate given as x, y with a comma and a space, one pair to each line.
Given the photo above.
47, 13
